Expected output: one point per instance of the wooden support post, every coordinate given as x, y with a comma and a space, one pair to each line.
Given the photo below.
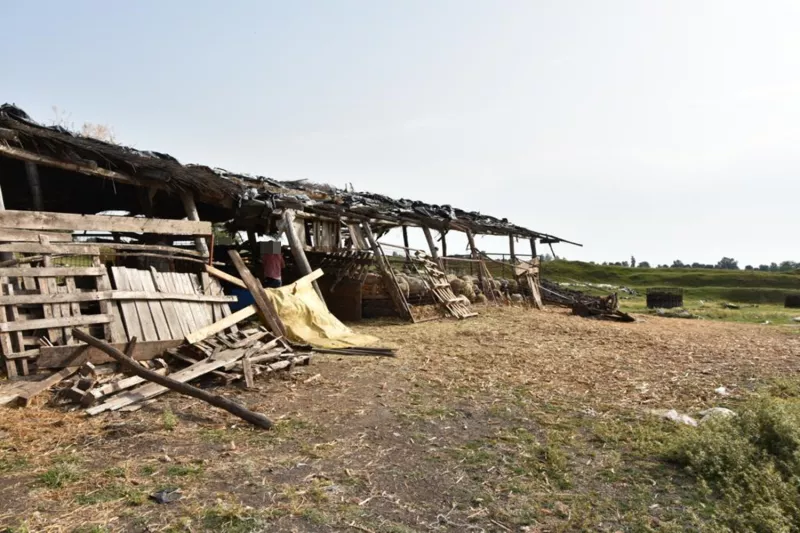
405, 243
257, 419
298, 252
444, 251
4, 256
513, 255
550, 244
389, 279
432, 246
534, 255
191, 213
484, 277
266, 311
36, 188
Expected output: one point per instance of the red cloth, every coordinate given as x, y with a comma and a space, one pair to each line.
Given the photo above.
273, 265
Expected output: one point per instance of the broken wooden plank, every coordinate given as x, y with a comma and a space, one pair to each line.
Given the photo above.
265, 307
21, 235
43, 220
59, 356
176, 382
225, 323
77, 297
37, 387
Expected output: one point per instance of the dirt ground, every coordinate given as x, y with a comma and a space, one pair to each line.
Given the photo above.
513, 421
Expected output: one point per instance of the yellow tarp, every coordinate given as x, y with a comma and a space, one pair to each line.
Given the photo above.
308, 320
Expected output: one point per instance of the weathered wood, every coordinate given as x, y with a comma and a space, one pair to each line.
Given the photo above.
191, 213
59, 249
48, 323
390, 281
113, 331
512, 253
178, 384
405, 243
52, 272
533, 248
75, 297
298, 250
220, 325
247, 371
59, 356
432, 246
142, 281
38, 387
21, 235
43, 220
172, 252
34, 184
266, 310
239, 283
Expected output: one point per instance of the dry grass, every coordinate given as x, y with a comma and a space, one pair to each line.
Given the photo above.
514, 419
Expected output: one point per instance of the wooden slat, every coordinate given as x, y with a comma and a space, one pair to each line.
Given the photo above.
266, 309
63, 249
170, 278
205, 308
146, 320
170, 321
37, 387
58, 356
142, 280
13, 316
225, 309
203, 333
113, 331
48, 323
94, 395
42, 220
66, 310
130, 315
50, 272
21, 235
171, 308
6, 347
151, 390
201, 318
76, 297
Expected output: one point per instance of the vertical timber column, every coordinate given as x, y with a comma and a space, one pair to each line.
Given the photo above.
511, 249
4, 256
296, 245
534, 255
405, 243
432, 245
36, 189
389, 279
483, 277
191, 213
444, 251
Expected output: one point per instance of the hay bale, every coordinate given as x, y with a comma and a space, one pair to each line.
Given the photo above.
458, 286
417, 285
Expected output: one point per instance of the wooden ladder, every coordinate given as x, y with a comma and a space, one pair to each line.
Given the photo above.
440, 287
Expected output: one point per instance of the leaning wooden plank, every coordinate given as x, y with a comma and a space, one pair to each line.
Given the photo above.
149, 332
201, 310
7, 347
239, 283
13, 316
175, 382
48, 323
37, 387
43, 220
173, 282
21, 235
168, 307
59, 356
225, 323
173, 309
266, 310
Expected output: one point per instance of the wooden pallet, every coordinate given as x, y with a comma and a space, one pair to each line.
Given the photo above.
440, 288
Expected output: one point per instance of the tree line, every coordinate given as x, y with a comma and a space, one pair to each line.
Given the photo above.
726, 263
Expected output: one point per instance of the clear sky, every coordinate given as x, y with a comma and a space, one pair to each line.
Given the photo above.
663, 129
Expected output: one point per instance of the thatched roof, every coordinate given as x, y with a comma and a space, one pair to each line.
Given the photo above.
20, 136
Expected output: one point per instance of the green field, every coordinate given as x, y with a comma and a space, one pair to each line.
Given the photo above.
760, 295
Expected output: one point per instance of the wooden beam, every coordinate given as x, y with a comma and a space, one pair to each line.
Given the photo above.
234, 408
52, 323
220, 325
511, 249
432, 245
233, 280
4, 256
264, 306
191, 213
50, 249
52, 272
96, 296
21, 235
18, 153
32, 174
389, 279
405, 243
44, 220
443, 259
298, 251
533, 247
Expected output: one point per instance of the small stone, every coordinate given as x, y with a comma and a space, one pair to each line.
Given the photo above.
165, 458
715, 412
675, 416
722, 391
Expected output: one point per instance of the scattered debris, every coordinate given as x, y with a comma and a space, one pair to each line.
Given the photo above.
166, 495
675, 313
722, 391
728, 305
603, 307
674, 416
715, 412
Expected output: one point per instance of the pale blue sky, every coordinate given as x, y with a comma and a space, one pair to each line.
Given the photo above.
663, 129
